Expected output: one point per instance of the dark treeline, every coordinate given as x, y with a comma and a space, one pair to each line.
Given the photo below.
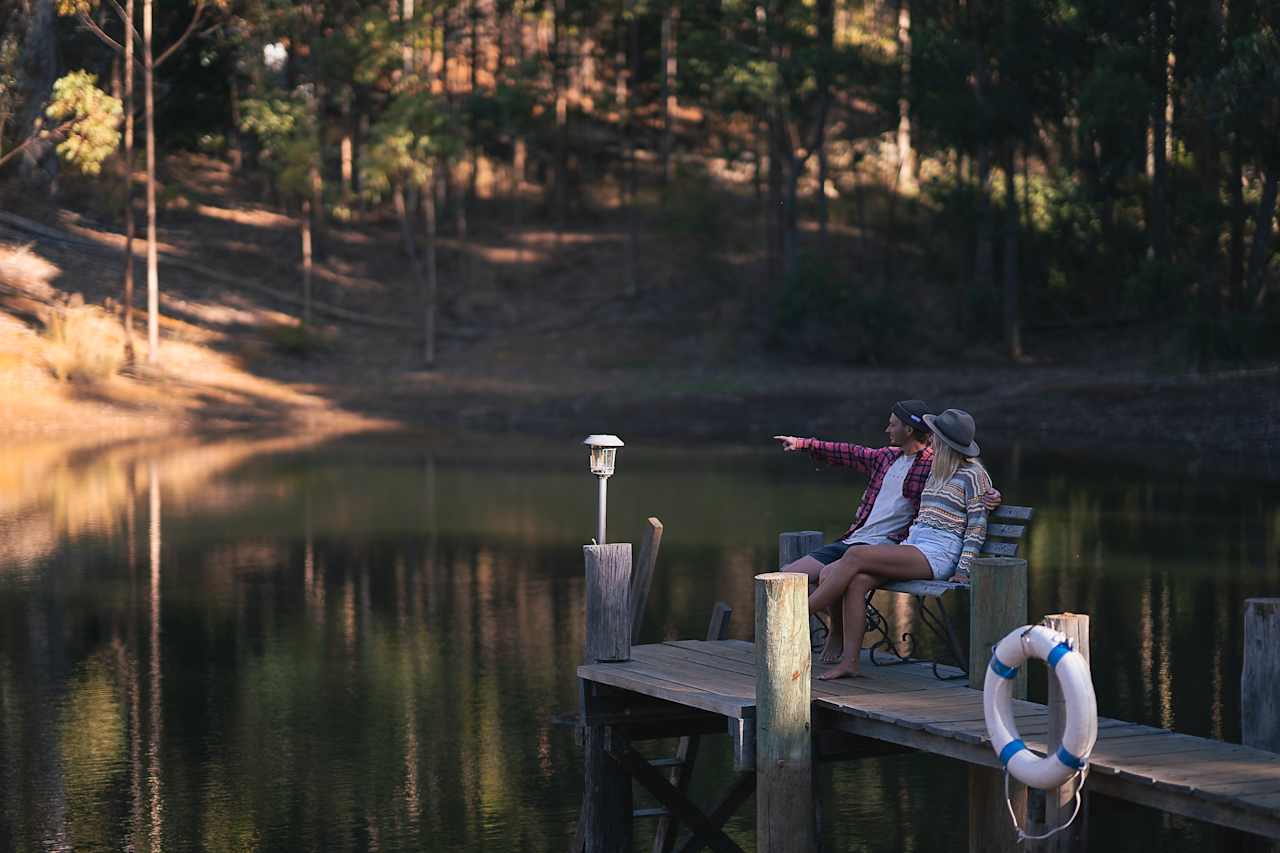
1035, 164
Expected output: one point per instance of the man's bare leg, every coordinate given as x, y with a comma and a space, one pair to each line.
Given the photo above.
812, 569
855, 616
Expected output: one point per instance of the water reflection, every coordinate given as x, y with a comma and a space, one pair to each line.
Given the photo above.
361, 646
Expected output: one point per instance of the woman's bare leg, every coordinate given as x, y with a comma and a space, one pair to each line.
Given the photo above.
851, 578
813, 569
855, 619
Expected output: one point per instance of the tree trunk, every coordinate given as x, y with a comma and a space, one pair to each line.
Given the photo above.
130, 227
1239, 215
432, 286
149, 107
1159, 213
906, 154
39, 69
1262, 231
633, 184
826, 40
562, 114
411, 249
304, 224
473, 143
406, 49
1012, 313
669, 64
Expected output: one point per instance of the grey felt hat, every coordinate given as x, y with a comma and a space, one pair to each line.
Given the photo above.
955, 427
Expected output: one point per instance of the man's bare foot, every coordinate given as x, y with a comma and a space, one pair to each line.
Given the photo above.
848, 669
831, 651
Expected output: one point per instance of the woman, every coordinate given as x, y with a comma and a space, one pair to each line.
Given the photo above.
946, 536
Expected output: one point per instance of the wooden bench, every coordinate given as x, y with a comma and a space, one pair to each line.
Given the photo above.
1006, 528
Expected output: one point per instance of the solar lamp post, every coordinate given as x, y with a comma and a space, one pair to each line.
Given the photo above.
604, 451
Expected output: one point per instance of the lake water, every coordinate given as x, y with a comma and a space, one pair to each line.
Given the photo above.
362, 645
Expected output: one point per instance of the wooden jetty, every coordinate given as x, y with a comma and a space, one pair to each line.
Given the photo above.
782, 720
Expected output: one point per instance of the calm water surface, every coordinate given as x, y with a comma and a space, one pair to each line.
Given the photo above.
362, 645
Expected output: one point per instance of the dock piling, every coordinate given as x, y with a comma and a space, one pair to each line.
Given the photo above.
608, 602
784, 743
997, 605
1058, 805
1259, 712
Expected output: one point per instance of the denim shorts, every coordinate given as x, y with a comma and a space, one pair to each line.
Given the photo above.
830, 552
940, 548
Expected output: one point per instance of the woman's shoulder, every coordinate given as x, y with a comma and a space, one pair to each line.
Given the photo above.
975, 478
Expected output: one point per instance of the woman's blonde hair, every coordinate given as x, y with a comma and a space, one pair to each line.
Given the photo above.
946, 461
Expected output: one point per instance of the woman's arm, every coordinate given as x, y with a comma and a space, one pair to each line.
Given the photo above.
975, 524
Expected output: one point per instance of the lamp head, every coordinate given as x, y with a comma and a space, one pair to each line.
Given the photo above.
604, 449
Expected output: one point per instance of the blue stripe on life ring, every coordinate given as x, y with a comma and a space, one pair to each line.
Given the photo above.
1011, 749
1057, 654
1075, 762
1000, 669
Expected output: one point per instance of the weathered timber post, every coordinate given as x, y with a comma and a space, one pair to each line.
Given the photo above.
1259, 712
607, 805
784, 744
795, 544
791, 547
608, 602
642, 578
1058, 805
997, 605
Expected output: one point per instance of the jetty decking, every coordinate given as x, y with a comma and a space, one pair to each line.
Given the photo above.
905, 706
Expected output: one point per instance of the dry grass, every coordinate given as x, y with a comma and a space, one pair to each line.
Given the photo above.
82, 343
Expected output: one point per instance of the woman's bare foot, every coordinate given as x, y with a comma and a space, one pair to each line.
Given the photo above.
831, 651
847, 669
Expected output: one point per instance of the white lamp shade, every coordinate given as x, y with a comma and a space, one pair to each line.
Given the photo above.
604, 449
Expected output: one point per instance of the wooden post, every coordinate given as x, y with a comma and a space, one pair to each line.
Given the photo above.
1259, 713
642, 578
784, 745
997, 605
791, 547
607, 801
608, 602
794, 545
1058, 805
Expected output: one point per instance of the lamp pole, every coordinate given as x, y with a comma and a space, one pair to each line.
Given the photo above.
604, 449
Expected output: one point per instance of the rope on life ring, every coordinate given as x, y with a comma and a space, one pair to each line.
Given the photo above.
1080, 732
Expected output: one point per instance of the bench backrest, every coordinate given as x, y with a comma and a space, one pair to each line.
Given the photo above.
1006, 527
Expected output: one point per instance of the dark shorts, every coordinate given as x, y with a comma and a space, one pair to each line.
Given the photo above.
830, 552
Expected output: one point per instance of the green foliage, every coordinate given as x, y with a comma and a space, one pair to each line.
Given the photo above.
298, 340
825, 313
413, 136
89, 118
286, 129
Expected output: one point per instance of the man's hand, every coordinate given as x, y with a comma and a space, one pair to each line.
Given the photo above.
992, 499
789, 442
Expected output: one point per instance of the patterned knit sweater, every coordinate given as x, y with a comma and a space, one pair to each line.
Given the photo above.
956, 507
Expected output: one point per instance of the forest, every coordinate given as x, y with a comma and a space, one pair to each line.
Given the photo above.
948, 169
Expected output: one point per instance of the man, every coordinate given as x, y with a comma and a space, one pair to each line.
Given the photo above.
897, 475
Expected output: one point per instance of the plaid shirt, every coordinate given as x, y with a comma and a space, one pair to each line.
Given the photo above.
875, 463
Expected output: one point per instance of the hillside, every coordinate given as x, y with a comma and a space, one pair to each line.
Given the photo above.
539, 335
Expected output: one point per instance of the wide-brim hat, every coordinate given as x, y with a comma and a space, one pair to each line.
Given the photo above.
956, 428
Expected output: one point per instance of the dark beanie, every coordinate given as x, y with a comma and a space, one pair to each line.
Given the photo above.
912, 412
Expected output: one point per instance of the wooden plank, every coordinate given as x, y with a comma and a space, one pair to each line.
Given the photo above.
998, 549
642, 577
1006, 512
1006, 531
628, 676
735, 663
880, 680
1259, 710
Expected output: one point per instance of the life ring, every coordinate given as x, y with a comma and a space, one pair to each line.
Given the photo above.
1081, 729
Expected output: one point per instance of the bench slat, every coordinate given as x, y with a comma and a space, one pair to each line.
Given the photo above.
929, 588
1005, 512
1006, 531
999, 549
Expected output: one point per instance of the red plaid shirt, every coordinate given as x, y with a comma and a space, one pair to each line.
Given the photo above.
875, 463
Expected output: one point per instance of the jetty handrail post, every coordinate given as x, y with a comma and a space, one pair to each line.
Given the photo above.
607, 801
997, 605
793, 545
1259, 715
1058, 805
784, 742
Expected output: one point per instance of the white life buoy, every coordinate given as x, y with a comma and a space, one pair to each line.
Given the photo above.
1081, 729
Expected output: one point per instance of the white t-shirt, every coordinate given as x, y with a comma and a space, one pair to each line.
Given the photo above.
891, 512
